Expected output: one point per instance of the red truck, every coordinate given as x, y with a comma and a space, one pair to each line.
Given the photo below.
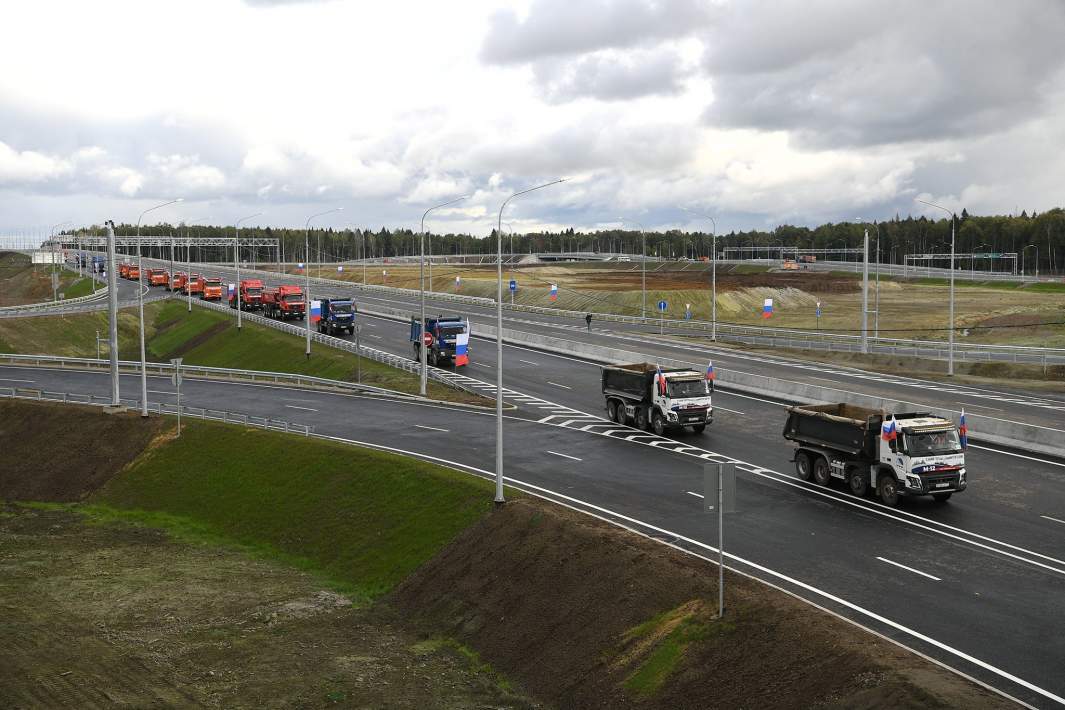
251, 295
212, 289
158, 277
133, 272
194, 284
284, 302
123, 269
178, 281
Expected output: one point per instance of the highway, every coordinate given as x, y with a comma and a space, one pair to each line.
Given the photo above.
981, 577
976, 583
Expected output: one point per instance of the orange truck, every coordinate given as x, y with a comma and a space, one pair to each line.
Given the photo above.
212, 289
194, 284
251, 295
283, 302
123, 269
134, 272
178, 281
158, 277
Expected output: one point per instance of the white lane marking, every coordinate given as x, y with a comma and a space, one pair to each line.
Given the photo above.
697, 495
1054, 519
733, 411
565, 456
909, 569
431, 428
979, 406
529, 362
371, 335
295, 406
754, 565
1020, 456
11, 379
159, 392
565, 387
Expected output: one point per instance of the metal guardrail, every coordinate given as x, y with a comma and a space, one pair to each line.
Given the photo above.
751, 335
202, 372
205, 413
52, 305
401, 363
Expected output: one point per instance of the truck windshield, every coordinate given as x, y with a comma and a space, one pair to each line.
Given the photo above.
341, 308
293, 298
932, 443
687, 388
253, 290
452, 330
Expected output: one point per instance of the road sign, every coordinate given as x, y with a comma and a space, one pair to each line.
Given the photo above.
727, 484
339, 269
818, 309
662, 306
427, 338
175, 379
513, 285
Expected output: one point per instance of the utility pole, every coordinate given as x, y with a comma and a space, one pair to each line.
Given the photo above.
112, 311
865, 294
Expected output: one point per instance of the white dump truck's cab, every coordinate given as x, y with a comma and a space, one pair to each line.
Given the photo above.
686, 402
926, 457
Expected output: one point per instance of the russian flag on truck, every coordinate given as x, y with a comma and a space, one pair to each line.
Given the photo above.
316, 311
462, 346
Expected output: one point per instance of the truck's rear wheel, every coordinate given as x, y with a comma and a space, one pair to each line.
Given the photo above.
822, 473
803, 465
641, 418
941, 497
858, 483
658, 423
888, 489
612, 410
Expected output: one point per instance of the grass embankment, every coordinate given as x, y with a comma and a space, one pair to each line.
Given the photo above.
22, 283
582, 613
204, 337
362, 519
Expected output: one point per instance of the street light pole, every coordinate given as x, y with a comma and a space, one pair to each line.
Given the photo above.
140, 306
499, 499
1031, 246
307, 272
51, 240
112, 311
950, 332
236, 259
713, 272
422, 352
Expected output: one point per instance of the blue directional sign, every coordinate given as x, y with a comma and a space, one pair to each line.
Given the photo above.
662, 306
513, 285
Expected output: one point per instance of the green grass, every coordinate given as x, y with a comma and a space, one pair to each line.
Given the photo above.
1046, 288
666, 656
360, 519
960, 281
77, 288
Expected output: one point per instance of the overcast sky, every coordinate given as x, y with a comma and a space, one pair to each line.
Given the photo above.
759, 112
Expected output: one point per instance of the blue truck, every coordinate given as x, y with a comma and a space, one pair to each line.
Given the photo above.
337, 316
449, 340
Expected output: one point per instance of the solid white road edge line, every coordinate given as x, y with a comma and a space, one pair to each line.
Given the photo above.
1020, 456
1054, 519
11, 379
565, 387
296, 406
909, 569
565, 456
802, 585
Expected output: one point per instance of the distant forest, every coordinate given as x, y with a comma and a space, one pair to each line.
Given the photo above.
1041, 236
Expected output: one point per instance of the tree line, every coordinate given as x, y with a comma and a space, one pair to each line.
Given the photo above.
1040, 237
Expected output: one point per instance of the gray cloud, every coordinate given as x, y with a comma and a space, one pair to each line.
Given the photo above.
838, 73
612, 77
556, 28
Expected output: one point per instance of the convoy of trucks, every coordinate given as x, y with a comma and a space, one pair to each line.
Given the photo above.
658, 399
178, 281
284, 302
212, 288
895, 455
448, 340
194, 284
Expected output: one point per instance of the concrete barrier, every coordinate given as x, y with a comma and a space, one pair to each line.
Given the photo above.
1001, 432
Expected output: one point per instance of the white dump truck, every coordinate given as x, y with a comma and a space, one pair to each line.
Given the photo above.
658, 399
905, 454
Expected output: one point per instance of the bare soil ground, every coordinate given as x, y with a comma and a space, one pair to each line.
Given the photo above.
21, 283
89, 447
112, 615
585, 615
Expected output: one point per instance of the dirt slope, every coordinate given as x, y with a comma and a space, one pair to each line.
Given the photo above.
587, 616
87, 448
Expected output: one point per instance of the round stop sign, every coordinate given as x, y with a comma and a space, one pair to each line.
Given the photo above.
427, 338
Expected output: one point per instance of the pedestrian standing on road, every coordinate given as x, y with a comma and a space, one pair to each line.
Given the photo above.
588, 320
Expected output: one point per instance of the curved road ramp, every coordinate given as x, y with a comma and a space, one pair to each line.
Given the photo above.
235, 567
